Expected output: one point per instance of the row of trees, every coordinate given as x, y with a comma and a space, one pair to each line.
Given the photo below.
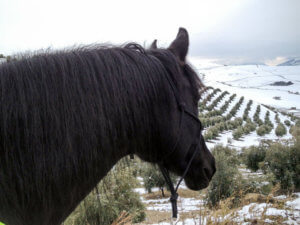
247, 110
216, 101
202, 104
222, 110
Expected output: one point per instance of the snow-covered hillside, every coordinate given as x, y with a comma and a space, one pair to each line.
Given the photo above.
254, 82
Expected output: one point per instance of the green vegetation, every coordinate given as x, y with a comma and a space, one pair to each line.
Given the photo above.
235, 108
238, 133
262, 130
280, 130
216, 101
267, 120
280, 159
249, 126
256, 118
222, 185
287, 123
227, 181
203, 104
247, 109
153, 177
113, 195
254, 155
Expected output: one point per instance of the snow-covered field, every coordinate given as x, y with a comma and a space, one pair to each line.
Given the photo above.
253, 82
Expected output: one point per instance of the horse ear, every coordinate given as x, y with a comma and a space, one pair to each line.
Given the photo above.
154, 44
180, 45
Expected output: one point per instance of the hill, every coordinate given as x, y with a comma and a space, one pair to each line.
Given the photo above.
291, 62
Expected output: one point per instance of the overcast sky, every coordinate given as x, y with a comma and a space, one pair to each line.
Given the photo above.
252, 29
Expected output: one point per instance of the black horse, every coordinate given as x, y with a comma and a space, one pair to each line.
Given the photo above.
67, 117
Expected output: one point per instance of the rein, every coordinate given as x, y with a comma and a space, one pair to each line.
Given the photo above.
165, 172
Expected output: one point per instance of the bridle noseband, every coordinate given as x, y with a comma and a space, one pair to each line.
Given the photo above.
165, 172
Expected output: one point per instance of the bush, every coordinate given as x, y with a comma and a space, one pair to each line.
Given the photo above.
153, 177
287, 122
238, 133
254, 155
284, 162
280, 130
261, 130
249, 127
222, 184
208, 135
113, 195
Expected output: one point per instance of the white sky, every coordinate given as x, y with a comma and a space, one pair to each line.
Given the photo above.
216, 27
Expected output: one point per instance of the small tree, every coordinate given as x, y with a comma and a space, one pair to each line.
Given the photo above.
153, 177
280, 130
261, 130
222, 185
254, 155
287, 122
238, 133
283, 161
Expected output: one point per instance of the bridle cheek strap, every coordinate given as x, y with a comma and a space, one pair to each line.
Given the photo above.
165, 172
174, 194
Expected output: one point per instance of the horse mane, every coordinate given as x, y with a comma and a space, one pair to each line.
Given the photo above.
92, 97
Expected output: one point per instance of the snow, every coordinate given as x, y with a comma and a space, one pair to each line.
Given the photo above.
226, 138
183, 204
255, 210
253, 81
194, 221
280, 197
294, 204
141, 191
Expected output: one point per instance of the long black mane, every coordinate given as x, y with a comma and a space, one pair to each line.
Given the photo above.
60, 109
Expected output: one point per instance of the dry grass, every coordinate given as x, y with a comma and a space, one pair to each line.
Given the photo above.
224, 214
123, 219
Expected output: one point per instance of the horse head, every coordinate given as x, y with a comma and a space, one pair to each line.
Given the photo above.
183, 149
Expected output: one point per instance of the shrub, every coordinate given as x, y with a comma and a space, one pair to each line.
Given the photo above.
113, 195
208, 135
280, 130
254, 155
261, 130
238, 133
249, 127
287, 123
222, 184
153, 177
284, 162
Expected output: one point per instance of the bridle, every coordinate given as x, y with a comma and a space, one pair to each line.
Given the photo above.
195, 145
